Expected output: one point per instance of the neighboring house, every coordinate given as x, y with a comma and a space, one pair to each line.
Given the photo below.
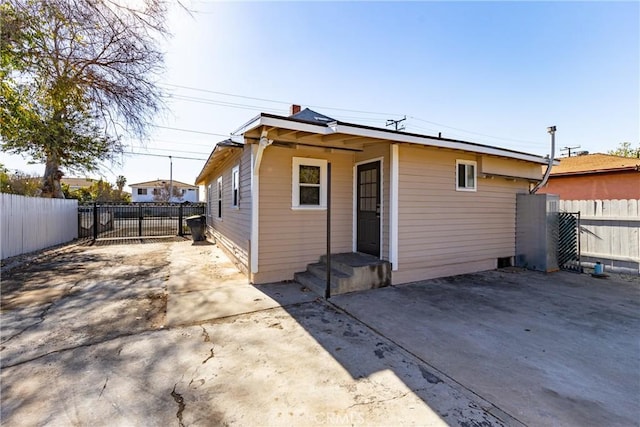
595, 177
430, 206
77, 183
153, 191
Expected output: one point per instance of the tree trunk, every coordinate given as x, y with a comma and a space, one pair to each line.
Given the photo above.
51, 187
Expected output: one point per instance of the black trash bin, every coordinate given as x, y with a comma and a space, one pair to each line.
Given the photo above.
197, 224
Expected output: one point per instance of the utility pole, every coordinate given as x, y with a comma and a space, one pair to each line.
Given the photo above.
396, 123
568, 149
170, 179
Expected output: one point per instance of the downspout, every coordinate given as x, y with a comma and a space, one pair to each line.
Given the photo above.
545, 178
255, 198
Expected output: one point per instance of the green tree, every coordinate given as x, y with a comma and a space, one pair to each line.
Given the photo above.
19, 183
161, 194
625, 149
99, 191
120, 182
76, 77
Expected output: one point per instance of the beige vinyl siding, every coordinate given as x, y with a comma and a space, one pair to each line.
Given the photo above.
290, 239
374, 151
233, 230
442, 231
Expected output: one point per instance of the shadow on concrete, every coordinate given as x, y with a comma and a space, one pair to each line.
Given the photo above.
135, 240
74, 327
366, 355
544, 349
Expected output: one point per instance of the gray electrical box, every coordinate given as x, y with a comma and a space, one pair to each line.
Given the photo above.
537, 231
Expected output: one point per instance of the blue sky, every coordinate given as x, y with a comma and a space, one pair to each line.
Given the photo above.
496, 73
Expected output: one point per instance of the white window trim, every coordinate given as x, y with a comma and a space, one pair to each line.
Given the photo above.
295, 183
219, 198
475, 173
235, 185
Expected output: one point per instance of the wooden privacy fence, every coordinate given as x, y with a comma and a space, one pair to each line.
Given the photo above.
609, 231
32, 223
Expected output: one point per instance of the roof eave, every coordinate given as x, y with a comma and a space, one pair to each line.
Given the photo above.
338, 127
351, 129
595, 171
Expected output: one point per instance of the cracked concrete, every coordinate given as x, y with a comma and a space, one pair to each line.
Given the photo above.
169, 334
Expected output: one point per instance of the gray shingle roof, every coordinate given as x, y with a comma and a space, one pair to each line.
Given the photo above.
311, 116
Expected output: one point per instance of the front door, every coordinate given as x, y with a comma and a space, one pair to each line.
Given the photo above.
368, 208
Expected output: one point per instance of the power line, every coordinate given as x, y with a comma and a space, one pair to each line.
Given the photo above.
175, 151
568, 149
251, 107
227, 94
223, 103
472, 132
131, 153
192, 131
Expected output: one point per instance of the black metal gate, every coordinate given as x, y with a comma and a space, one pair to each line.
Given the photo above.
569, 241
105, 220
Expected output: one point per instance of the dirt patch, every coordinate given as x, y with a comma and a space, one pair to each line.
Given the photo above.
156, 311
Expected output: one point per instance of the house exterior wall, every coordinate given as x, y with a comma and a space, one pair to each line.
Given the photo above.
375, 152
597, 186
289, 239
442, 231
190, 195
233, 230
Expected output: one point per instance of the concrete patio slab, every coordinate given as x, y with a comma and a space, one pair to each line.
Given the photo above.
98, 351
203, 284
558, 349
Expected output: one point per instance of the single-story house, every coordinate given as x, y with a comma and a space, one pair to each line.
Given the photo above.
158, 190
595, 177
77, 183
428, 206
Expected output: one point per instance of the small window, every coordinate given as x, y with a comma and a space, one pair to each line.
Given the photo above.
235, 186
142, 191
156, 191
210, 200
220, 197
309, 183
465, 175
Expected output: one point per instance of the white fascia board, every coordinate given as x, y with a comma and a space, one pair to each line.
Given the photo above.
435, 142
239, 139
251, 124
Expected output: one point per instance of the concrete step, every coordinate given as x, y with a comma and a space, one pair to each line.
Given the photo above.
350, 272
314, 283
347, 262
319, 270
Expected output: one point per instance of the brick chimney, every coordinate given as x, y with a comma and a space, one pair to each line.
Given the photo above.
295, 108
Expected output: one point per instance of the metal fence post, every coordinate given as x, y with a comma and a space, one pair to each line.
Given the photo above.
95, 221
180, 233
139, 220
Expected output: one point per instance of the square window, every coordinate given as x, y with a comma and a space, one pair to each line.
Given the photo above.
309, 178
465, 175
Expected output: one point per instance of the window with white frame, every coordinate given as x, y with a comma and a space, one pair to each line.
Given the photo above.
219, 197
210, 199
309, 183
235, 186
466, 175
142, 191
